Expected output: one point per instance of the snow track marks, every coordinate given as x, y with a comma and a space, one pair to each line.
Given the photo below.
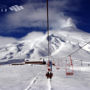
49, 84
32, 82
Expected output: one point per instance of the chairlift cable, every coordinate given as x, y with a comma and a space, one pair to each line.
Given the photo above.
78, 49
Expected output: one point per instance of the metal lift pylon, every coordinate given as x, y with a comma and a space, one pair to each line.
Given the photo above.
49, 73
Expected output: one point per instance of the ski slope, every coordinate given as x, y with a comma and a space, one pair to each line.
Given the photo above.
30, 77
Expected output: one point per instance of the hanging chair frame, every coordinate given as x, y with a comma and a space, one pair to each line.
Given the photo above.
69, 73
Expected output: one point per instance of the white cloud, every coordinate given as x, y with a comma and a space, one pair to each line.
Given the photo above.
6, 40
64, 23
16, 8
3, 10
36, 17
33, 36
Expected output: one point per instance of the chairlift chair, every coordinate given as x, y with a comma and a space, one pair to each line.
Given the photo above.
69, 68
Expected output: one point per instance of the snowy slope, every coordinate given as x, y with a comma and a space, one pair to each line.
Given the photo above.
62, 43
32, 77
29, 77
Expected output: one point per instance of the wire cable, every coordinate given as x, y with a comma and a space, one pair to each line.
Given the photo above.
78, 49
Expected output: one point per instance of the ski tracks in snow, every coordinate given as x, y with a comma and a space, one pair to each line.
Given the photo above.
49, 84
32, 82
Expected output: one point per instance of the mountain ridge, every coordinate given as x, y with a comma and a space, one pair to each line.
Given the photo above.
62, 43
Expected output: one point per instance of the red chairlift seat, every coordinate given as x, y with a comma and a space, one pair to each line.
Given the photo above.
57, 67
69, 71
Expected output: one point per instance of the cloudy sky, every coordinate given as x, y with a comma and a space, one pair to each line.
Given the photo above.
20, 17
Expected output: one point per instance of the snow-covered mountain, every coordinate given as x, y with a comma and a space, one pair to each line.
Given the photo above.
34, 46
62, 43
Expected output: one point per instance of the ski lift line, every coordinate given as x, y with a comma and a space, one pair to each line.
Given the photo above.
79, 49
48, 30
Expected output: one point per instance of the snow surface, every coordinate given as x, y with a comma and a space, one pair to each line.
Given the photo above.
29, 77
32, 77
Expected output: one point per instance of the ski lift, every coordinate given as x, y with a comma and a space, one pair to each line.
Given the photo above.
58, 65
69, 68
49, 73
